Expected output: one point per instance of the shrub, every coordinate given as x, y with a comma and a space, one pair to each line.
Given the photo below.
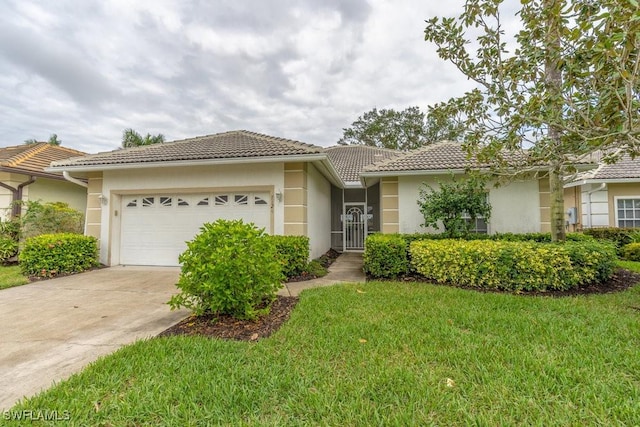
293, 253
49, 255
513, 266
620, 236
385, 255
631, 252
8, 248
50, 218
229, 268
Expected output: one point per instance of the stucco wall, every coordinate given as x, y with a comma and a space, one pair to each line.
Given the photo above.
515, 207
51, 190
318, 212
630, 190
12, 180
177, 179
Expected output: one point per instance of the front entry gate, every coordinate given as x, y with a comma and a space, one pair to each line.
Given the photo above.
354, 222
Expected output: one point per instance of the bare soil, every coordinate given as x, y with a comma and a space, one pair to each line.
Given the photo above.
227, 327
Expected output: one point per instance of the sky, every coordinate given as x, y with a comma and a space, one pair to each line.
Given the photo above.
87, 69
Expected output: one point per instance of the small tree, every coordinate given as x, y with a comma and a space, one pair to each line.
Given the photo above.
131, 138
53, 140
50, 218
457, 204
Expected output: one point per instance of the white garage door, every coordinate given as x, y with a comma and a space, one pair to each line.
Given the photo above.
154, 228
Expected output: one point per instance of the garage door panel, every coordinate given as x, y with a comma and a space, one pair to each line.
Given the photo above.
155, 228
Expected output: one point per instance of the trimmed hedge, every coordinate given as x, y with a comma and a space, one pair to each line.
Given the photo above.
49, 255
384, 258
385, 255
293, 253
619, 236
513, 266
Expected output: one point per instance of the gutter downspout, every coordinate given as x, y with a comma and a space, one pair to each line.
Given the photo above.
603, 186
76, 181
16, 195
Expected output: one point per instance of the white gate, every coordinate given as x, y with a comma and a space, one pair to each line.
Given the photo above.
354, 222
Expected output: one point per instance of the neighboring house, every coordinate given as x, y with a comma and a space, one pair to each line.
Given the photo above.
608, 196
145, 202
23, 177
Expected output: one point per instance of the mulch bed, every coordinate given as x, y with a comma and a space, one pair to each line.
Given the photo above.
227, 327
325, 260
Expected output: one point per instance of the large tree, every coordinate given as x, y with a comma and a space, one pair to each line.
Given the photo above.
565, 85
399, 130
131, 138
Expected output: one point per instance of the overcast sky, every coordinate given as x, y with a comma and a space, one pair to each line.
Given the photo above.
304, 70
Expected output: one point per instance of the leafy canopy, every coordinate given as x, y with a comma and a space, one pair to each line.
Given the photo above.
131, 138
399, 130
564, 85
53, 140
457, 204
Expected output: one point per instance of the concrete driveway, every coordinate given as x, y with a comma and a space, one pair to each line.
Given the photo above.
52, 329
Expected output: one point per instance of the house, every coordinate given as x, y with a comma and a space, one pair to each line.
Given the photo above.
607, 196
23, 177
145, 202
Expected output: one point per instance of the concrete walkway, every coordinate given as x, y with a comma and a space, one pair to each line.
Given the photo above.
346, 268
54, 328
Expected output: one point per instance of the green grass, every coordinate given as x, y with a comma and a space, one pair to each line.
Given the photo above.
630, 265
383, 354
11, 276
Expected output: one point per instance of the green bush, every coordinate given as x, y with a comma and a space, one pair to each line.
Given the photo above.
293, 253
8, 248
229, 268
620, 236
385, 255
49, 255
631, 252
50, 218
513, 266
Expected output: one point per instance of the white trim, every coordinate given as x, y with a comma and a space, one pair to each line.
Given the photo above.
602, 181
615, 206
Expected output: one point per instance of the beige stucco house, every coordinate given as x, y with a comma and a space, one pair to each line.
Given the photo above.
145, 202
23, 177
607, 196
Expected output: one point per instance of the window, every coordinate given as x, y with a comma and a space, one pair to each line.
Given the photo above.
165, 201
241, 199
221, 200
204, 202
480, 226
628, 211
133, 203
148, 201
182, 202
259, 201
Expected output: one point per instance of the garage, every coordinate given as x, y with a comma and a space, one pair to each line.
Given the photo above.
155, 227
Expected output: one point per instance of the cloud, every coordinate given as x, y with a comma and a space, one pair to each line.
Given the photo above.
296, 69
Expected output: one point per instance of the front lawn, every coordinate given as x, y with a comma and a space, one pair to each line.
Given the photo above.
11, 276
382, 353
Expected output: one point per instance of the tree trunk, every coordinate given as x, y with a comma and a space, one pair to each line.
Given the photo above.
553, 81
556, 189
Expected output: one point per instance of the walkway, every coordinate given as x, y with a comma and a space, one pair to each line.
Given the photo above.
346, 268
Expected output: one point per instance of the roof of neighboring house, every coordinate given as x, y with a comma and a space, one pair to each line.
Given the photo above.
441, 156
350, 160
32, 159
625, 168
228, 145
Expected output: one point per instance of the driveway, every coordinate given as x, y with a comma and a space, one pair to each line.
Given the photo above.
52, 329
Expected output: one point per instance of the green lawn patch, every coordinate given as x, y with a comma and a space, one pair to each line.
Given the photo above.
382, 353
11, 276
630, 265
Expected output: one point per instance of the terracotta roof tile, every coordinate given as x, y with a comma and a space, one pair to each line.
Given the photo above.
350, 160
227, 145
34, 158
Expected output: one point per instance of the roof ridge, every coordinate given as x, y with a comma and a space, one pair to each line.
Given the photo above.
290, 142
24, 155
391, 150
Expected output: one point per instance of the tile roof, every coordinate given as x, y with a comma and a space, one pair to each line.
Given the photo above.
350, 160
624, 168
34, 158
445, 155
226, 145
